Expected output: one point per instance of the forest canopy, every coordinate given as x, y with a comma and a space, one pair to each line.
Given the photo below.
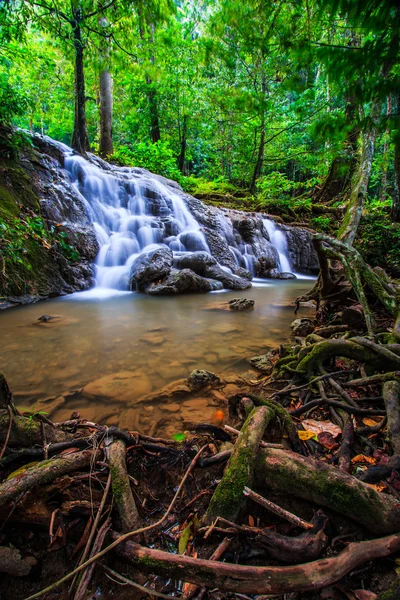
271, 97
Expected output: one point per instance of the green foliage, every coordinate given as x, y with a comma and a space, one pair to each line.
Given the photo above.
379, 238
158, 158
13, 100
17, 235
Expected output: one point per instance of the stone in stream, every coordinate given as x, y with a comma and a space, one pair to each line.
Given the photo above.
263, 362
124, 387
287, 276
241, 304
179, 282
150, 267
302, 327
199, 379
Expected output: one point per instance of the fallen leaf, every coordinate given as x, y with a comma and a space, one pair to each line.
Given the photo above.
327, 440
321, 426
379, 487
370, 422
251, 521
179, 437
305, 435
361, 458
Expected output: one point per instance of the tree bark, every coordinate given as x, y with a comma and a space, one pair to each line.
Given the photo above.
260, 161
256, 580
80, 138
396, 191
182, 154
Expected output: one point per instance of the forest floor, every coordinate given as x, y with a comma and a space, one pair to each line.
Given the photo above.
148, 517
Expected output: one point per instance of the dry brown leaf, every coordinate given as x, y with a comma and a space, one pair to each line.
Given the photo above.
361, 458
251, 521
365, 595
370, 422
321, 426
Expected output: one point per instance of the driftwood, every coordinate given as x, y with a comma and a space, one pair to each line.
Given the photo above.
256, 580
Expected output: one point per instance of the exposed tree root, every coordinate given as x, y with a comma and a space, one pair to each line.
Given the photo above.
228, 498
257, 580
121, 487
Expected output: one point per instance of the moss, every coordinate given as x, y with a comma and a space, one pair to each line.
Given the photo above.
118, 485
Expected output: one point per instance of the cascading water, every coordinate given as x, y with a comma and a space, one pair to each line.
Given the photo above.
125, 227
278, 239
133, 212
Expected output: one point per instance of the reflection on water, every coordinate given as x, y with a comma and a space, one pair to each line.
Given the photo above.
152, 340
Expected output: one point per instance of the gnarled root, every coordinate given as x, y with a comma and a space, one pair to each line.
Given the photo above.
257, 580
285, 472
121, 487
228, 497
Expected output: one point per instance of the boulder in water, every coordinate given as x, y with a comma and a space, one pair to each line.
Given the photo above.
179, 282
122, 387
199, 379
287, 276
229, 281
241, 304
149, 267
196, 261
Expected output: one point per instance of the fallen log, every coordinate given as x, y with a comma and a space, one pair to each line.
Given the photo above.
256, 580
285, 472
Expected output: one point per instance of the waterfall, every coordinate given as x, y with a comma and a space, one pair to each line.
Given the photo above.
133, 211
278, 239
121, 208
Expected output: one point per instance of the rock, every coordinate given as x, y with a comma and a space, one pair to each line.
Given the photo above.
199, 379
123, 387
179, 282
241, 304
172, 391
262, 363
287, 276
12, 563
196, 261
150, 267
302, 327
173, 407
229, 281
153, 338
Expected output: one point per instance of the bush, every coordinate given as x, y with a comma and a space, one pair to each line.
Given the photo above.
378, 237
158, 158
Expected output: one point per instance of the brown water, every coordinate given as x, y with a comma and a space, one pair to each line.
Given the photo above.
151, 341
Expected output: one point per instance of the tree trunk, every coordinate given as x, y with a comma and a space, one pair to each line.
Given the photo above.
155, 132
182, 154
106, 107
343, 166
359, 185
396, 192
260, 161
80, 139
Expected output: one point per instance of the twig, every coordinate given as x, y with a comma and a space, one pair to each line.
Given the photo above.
45, 447
142, 588
288, 390
216, 555
10, 422
93, 530
124, 537
277, 510
87, 574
